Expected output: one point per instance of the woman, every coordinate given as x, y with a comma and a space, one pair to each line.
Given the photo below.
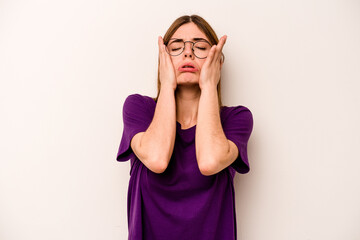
184, 145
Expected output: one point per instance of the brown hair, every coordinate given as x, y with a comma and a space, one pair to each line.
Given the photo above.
205, 28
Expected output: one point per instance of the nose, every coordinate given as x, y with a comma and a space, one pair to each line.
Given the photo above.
188, 52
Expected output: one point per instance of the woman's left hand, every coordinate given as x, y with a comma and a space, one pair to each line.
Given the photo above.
210, 71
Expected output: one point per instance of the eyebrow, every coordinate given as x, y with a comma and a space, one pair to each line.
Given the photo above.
181, 40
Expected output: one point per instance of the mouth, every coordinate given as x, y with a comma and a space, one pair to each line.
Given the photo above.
187, 67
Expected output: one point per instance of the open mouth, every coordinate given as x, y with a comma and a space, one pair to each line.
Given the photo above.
187, 68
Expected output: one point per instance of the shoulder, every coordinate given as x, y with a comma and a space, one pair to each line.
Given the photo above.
139, 103
228, 113
136, 97
139, 99
237, 122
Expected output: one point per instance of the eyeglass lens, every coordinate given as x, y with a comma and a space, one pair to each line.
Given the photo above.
201, 49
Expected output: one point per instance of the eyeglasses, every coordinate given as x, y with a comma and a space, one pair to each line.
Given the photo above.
200, 48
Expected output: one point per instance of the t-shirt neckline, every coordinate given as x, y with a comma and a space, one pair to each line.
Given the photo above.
178, 126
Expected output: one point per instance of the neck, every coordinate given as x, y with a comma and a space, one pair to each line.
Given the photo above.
187, 103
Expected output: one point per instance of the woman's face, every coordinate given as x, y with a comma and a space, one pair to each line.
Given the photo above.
188, 32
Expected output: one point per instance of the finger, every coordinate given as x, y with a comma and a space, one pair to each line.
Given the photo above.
222, 58
162, 52
163, 48
161, 44
165, 58
219, 47
211, 54
222, 41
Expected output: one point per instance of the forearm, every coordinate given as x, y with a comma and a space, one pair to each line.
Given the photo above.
159, 138
211, 142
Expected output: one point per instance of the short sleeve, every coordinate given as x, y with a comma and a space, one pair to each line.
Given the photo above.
237, 126
137, 116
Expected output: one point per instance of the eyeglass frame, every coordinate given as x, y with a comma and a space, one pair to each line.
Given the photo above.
192, 48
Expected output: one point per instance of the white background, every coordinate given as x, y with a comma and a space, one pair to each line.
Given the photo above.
67, 66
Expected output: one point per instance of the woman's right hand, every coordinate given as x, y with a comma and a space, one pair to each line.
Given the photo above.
166, 68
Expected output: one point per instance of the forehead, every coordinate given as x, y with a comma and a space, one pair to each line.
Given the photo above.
189, 31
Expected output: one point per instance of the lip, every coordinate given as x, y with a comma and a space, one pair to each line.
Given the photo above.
183, 69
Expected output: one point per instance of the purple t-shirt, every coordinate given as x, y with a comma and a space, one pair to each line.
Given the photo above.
181, 203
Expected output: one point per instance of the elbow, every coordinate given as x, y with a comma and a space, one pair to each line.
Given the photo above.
207, 168
159, 168
158, 165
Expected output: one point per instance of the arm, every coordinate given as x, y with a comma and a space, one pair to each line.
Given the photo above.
154, 147
214, 151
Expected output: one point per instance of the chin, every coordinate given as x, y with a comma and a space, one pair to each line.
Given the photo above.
188, 80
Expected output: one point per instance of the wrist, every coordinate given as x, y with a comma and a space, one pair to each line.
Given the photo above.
167, 87
208, 87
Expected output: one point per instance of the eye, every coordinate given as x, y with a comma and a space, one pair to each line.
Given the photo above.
201, 48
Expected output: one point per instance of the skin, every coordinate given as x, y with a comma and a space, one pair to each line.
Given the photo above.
195, 103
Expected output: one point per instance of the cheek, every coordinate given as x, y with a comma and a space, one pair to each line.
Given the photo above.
200, 64
175, 62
